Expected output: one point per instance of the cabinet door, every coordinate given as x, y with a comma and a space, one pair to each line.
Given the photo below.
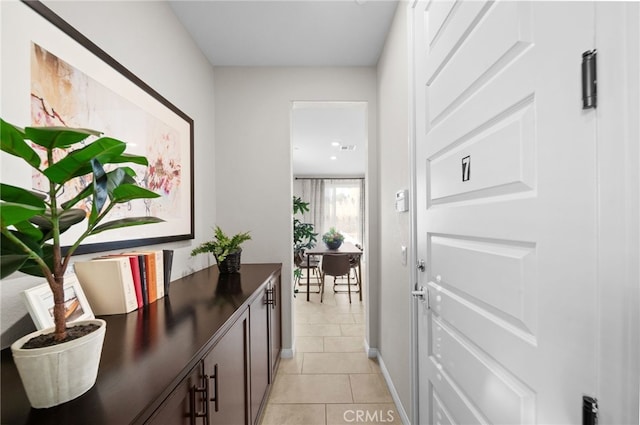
226, 368
275, 331
259, 343
187, 404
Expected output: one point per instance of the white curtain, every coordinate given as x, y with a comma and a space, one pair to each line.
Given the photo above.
312, 192
335, 203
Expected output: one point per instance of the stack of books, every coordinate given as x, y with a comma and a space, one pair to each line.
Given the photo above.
121, 283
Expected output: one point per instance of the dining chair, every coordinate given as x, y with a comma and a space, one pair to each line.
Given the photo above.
354, 263
335, 265
301, 260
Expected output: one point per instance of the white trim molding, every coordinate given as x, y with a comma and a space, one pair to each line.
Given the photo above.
287, 353
372, 353
392, 388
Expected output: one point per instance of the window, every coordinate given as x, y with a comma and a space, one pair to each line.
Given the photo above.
343, 208
335, 203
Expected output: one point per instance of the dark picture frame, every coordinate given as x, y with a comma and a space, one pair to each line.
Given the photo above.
180, 227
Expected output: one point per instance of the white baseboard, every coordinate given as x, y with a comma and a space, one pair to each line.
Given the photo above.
372, 353
392, 388
287, 353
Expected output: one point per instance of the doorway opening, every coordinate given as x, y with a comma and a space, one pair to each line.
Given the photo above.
329, 172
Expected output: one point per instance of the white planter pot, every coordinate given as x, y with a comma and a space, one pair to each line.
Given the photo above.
57, 374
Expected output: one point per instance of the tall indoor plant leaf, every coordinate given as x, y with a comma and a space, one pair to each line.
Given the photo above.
303, 235
31, 226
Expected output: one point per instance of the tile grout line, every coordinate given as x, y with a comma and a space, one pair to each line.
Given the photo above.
347, 321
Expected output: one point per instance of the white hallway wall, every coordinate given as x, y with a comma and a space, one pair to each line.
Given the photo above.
253, 162
395, 278
130, 32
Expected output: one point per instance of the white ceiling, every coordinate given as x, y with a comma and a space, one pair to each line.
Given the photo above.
299, 33
329, 138
289, 32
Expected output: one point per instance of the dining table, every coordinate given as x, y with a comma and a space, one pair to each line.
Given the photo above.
344, 248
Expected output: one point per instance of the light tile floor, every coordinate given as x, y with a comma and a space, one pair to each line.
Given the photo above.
330, 380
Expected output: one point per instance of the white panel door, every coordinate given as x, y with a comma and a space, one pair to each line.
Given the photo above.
506, 211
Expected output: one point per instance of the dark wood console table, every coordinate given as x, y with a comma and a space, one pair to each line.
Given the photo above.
153, 357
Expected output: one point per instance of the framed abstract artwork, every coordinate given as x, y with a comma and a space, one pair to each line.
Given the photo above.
74, 83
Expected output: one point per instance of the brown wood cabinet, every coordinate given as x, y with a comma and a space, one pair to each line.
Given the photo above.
275, 325
215, 392
226, 367
259, 341
186, 404
205, 354
265, 344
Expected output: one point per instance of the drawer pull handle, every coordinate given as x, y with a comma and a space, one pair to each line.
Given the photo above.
195, 391
215, 387
271, 297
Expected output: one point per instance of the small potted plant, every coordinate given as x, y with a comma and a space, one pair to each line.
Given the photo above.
333, 239
65, 366
225, 249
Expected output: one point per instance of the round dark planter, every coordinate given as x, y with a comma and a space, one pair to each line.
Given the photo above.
231, 263
333, 245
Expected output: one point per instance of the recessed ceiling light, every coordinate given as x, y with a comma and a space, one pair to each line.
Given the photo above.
333, 158
335, 143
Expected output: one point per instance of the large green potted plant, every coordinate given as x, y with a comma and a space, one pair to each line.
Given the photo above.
31, 228
303, 235
225, 249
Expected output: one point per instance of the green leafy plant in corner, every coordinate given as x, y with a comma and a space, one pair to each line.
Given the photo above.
222, 245
32, 223
303, 235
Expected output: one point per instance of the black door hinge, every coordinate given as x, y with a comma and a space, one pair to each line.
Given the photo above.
589, 410
589, 80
